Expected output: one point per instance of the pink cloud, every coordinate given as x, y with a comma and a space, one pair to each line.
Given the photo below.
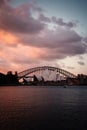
60, 22
25, 40
18, 20
81, 63
44, 18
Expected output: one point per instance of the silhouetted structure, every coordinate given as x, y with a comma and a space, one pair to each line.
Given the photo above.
82, 79
2, 79
13, 79
9, 79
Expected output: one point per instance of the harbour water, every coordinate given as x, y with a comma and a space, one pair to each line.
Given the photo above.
43, 108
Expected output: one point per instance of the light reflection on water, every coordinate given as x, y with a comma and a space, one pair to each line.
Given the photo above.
43, 108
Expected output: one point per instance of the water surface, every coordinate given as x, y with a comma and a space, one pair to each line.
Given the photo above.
38, 107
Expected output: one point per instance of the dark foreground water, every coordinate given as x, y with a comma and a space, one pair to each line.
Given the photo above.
43, 108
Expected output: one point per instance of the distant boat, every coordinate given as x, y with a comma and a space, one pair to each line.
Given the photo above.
65, 86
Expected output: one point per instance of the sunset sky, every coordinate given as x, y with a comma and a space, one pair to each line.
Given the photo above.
43, 32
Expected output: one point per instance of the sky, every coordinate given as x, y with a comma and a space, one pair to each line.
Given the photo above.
43, 33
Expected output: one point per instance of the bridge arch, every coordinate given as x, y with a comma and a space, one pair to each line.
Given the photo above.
32, 70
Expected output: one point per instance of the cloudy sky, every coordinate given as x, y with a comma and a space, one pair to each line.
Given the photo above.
43, 32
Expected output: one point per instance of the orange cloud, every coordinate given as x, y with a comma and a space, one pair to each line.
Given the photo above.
28, 51
34, 52
8, 38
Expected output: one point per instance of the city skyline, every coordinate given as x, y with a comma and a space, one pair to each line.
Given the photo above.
40, 32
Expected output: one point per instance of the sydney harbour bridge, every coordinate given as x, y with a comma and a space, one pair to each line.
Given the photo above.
47, 72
